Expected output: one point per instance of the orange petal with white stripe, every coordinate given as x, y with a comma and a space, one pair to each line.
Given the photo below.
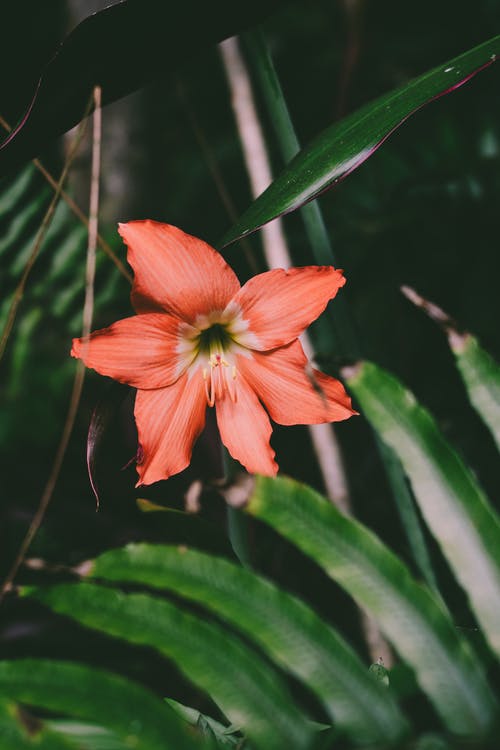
291, 393
245, 430
140, 351
176, 272
169, 420
279, 305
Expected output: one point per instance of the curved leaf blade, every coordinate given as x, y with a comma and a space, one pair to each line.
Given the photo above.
479, 371
235, 677
15, 735
409, 615
135, 715
481, 376
154, 34
344, 146
283, 626
453, 505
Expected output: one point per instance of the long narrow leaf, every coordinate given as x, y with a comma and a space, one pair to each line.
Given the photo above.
235, 677
288, 630
481, 376
452, 503
137, 717
479, 371
408, 613
344, 146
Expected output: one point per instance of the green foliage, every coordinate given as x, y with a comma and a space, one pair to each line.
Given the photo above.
283, 626
341, 148
136, 716
362, 705
409, 615
238, 680
223, 736
481, 376
19, 731
51, 308
452, 503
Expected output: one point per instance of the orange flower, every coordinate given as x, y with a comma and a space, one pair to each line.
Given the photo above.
200, 338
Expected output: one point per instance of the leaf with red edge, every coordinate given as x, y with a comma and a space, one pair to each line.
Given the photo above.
345, 145
120, 48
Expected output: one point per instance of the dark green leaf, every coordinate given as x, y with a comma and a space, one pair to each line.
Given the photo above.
119, 48
344, 146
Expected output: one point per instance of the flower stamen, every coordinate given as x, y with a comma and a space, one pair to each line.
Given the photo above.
222, 377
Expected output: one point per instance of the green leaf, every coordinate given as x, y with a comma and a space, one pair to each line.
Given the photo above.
338, 334
86, 736
481, 375
225, 736
21, 223
141, 720
379, 672
409, 615
450, 499
283, 626
344, 146
405, 505
15, 191
20, 732
236, 678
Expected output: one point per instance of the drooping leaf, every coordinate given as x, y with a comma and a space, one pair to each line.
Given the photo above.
120, 48
344, 146
409, 614
140, 719
453, 505
236, 678
283, 626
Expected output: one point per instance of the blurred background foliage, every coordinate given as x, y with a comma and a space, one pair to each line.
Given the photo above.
422, 211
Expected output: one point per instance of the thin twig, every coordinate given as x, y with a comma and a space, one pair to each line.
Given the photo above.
75, 208
80, 371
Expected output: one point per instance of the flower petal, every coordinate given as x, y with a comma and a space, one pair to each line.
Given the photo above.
176, 272
168, 422
140, 351
290, 394
245, 430
278, 305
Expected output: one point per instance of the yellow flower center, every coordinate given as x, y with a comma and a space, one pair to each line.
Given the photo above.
210, 346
